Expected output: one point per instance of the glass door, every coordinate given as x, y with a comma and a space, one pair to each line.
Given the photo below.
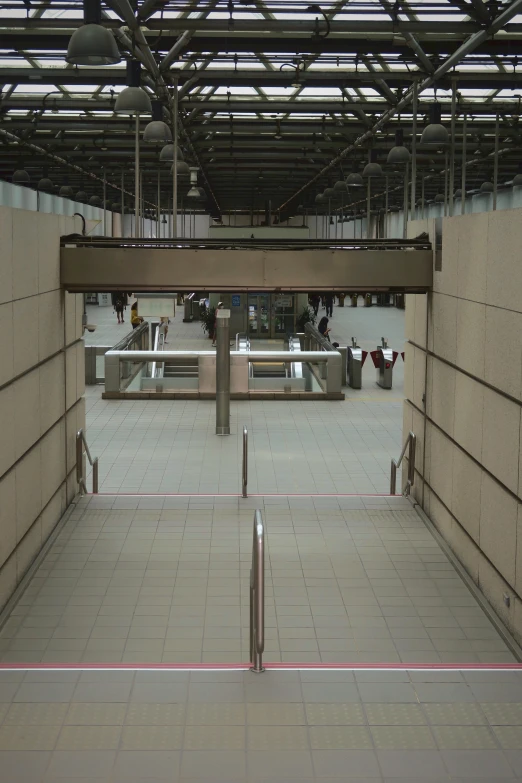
283, 321
258, 315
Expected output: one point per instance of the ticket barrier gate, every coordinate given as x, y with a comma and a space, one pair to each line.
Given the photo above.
356, 359
188, 313
384, 359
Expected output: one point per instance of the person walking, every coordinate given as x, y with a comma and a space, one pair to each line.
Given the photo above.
323, 328
119, 302
136, 319
214, 334
164, 327
315, 301
329, 303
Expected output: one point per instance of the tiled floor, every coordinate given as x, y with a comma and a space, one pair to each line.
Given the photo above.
322, 447
284, 727
166, 579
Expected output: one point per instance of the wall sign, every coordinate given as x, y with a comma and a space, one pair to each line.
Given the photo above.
236, 300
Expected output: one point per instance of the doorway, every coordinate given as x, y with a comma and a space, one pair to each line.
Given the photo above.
271, 316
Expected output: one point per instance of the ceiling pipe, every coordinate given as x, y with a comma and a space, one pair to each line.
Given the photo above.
466, 48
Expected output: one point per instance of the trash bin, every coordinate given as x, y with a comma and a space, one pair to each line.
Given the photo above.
356, 359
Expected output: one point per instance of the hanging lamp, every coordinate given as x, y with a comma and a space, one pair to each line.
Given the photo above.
92, 44
354, 180
66, 192
372, 168
45, 183
95, 201
133, 99
194, 190
517, 179
487, 187
20, 176
435, 134
81, 195
181, 167
320, 198
398, 155
329, 193
157, 131
439, 198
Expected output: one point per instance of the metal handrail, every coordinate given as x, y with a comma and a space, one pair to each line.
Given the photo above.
245, 462
411, 443
80, 444
257, 595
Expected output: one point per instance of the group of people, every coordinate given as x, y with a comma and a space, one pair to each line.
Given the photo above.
120, 301
326, 300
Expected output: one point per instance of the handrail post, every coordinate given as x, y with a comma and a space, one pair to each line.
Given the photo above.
393, 477
257, 596
79, 460
245, 462
411, 459
95, 476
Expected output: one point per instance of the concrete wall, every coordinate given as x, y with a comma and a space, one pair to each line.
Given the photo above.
41, 387
463, 391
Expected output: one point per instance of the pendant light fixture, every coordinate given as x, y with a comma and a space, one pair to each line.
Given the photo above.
340, 186
487, 187
20, 176
92, 44
372, 168
66, 192
194, 190
167, 154
354, 180
133, 99
181, 166
435, 134
458, 193
95, 201
107, 204
398, 155
45, 183
439, 198
329, 193
320, 198
81, 195
157, 131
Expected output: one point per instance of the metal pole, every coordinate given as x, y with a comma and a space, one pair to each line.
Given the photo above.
445, 183
452, 145
495, 164
95, 476
175, 161
386, 209
393, 477
245, 462
422, 197
122, 202
463, 182
79, 459
158, 210
368, 208
137, 176
142, 207
405, 209
104, 205
223, 373
257, 596
414, 149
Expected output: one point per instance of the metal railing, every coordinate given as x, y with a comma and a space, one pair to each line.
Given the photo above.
411, 443
245, 462
242, 342
80, 478
257, 595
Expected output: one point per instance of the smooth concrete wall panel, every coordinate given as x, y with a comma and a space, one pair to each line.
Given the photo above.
468, 414
504, 268
441, 396
472, 256
25, 334
466, 497
6, 253
445, 281
444, 327
26, 411
409, 367
7, 516
471, 337
501, 438
25, 254
503, 350
470, 480
6, 343
37, 460
421, 307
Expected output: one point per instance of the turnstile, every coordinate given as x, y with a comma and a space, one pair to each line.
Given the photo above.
188, 313
356, 359
384, 359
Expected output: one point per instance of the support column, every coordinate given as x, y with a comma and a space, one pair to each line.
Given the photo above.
137, 225
463, 181
495, 164
175, 160
452, 147
414, 148
223, 373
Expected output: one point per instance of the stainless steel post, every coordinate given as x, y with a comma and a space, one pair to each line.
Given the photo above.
104, 204
257, 596
122, 233
452, 146
368, 208
386, 209
158, 210
95, 476
445, 183
495, 164
245, 462
137, 176
422, 196
463, 183
405, 207
223, 373
79, 459
414, 148
175, 161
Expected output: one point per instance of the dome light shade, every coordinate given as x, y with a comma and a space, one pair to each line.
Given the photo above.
95, 201
398, 155
157, 132
372, 169
487, 187
435, 134
167, 154
395, 208
21, 177
182, 167
45, 184
133, 100
458, 193
116, 206
329, 193
354, 180
194, 192
517, 181
81, 195
439, 198
107, 204
320, 198
340, 186
92, 44
66, 192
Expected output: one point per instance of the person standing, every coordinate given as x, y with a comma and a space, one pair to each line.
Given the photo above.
323, 328
119, 302
136, 319
214, 334
329, 302
315, 301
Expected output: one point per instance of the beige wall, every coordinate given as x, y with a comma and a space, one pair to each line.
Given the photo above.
463, 393
41, 387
